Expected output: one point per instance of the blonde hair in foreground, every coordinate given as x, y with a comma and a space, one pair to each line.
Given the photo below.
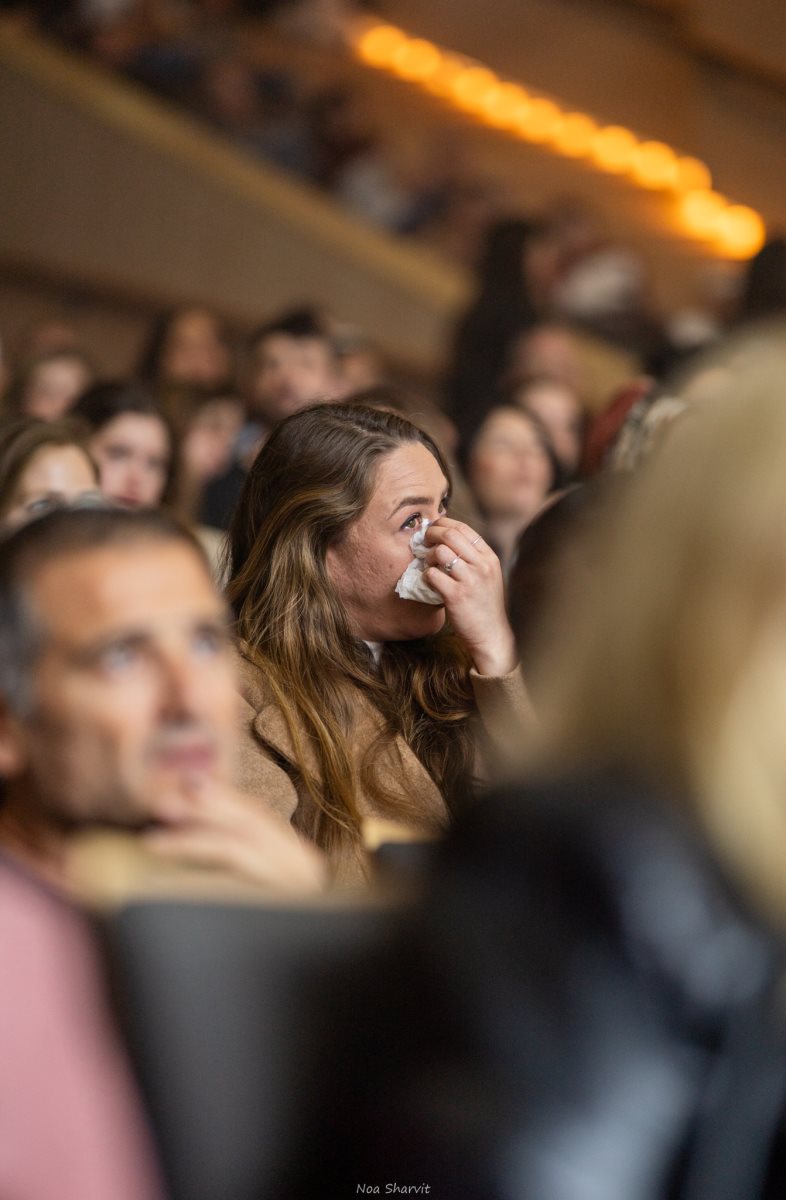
676, 666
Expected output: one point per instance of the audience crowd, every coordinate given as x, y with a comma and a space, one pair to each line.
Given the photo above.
506, 660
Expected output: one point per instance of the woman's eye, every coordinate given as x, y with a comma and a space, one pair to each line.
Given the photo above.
413, 522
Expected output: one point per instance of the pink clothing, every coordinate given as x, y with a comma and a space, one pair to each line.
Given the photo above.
71, 1126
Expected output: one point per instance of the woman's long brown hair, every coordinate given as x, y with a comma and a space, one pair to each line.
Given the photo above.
311, 481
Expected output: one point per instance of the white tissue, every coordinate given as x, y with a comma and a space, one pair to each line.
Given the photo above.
412, 585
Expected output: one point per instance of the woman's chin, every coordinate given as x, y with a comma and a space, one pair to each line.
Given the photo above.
411, 620
424, 621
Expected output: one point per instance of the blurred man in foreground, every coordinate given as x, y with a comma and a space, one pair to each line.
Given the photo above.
118, 703
117, 708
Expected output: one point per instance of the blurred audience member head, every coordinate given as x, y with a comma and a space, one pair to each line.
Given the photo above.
511, 468
188, 346
55, 331
42, 464
360, 362
326, 23
49, 383
230, 92
208, 426
211, 429
292, 363
548, 349
130, 441
675, 664
558, 407
116, 673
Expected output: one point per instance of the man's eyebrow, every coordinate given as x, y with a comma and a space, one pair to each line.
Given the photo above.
411, 501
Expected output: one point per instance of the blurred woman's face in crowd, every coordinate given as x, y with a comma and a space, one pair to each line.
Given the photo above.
55, 474
509, 470
195, 352
133, 452
211, 436
559, 410
53, 386
365, 565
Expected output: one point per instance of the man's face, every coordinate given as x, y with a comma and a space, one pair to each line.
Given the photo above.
133, 690
288, 373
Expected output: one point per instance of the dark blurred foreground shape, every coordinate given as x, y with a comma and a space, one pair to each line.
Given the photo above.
222, 1002
581, 1010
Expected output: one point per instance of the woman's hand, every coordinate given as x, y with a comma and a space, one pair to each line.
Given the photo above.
467, 574
211, 825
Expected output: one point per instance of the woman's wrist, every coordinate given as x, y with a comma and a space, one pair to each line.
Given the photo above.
497, 660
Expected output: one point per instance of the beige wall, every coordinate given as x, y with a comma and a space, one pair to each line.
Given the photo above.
103, 184
753, 33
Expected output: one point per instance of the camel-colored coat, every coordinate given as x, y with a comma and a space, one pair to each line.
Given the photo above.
267, 765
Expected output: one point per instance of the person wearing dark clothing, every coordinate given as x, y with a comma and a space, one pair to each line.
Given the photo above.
582, 1008
501, 309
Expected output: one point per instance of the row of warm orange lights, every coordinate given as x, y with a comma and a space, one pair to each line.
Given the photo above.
733, 229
